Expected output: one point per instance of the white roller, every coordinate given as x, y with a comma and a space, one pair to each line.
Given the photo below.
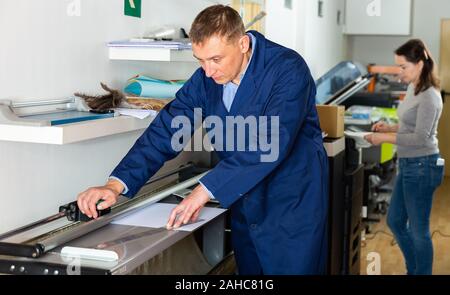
93, 254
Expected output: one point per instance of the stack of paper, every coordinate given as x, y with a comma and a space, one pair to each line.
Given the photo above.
359, 138
136, 113
148, 43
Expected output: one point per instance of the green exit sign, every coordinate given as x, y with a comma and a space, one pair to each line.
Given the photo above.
133, 8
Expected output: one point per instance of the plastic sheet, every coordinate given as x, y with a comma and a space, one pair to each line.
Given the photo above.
184, 257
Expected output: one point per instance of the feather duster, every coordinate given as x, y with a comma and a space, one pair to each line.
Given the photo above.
113, 99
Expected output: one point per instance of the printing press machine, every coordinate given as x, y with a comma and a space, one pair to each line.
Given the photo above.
35, 249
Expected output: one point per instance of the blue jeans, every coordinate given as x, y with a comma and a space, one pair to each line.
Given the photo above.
410, 208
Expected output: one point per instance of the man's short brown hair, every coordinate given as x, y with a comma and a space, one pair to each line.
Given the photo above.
219, 20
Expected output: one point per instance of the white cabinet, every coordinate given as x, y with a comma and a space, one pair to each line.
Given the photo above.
378, 17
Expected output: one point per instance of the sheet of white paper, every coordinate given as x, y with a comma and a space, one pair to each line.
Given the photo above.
359, 138
356, 134
137, 113
157, 215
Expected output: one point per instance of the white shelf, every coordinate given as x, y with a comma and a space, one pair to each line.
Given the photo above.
71, 133
150, 54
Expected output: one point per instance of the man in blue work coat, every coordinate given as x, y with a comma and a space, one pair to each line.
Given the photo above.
278, 203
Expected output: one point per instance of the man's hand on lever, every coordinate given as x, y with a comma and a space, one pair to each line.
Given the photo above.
189, 209
109, 193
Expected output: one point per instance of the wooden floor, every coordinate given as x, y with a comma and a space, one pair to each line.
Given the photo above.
392, 262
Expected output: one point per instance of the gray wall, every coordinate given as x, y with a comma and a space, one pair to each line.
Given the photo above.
426, 24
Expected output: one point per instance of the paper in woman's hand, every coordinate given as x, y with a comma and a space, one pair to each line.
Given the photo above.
358, 136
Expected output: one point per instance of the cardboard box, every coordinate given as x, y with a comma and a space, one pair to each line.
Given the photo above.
331, 120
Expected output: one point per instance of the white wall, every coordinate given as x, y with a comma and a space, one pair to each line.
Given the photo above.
280, 23
318, 39
37, 178
426, 19
45, 54
325, 44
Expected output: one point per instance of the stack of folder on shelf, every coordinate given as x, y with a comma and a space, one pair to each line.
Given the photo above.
152, 43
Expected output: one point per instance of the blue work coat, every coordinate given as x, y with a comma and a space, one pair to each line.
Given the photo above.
278, 208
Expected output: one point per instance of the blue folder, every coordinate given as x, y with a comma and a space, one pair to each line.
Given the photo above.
148, 87
67, 117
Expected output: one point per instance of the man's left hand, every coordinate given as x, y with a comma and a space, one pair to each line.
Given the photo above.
189, 209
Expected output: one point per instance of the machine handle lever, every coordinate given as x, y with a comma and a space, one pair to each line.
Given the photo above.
73, 213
